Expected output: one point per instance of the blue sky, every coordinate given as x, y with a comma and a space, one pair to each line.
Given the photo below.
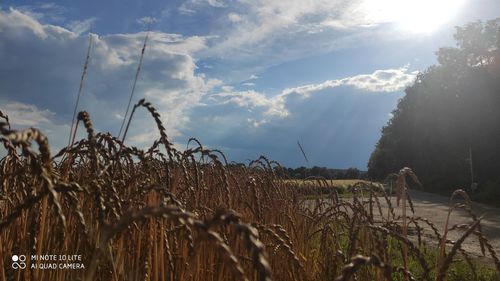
248, 77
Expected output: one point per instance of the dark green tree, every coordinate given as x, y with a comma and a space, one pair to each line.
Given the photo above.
451, 111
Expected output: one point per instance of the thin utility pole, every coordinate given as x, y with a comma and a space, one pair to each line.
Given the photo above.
471, 169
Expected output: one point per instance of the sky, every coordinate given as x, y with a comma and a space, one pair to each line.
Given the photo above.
247, 77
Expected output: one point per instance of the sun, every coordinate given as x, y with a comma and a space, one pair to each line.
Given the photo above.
417, 16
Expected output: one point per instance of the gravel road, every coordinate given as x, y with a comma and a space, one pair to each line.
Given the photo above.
435, 208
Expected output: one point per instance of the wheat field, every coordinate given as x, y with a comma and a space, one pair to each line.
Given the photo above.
164, 214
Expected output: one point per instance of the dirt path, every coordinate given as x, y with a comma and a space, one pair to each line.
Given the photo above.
435, 208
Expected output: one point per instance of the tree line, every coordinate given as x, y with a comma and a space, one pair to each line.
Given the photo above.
447, 126
323, 172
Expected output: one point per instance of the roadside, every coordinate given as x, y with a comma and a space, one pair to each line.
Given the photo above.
435, 208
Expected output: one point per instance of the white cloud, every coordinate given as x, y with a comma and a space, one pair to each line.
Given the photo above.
256, 123
273, 31
183, 9
234, 17
249, 99
49, 73
216, 3
29, 115
386, 80
227, 88
15, 21
83, 26
268, 20
23, 115
45, 11
190, 7
145, 21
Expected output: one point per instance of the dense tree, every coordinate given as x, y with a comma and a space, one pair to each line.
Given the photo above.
451, 111
323, 172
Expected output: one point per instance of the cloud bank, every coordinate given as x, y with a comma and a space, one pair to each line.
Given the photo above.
42, 65
386, 80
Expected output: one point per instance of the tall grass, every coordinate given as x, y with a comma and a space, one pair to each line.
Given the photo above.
164, 214
80, 89
137, 72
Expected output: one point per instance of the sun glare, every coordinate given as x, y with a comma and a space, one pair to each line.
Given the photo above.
423, 16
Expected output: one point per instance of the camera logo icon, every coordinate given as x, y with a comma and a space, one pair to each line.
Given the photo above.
19, 262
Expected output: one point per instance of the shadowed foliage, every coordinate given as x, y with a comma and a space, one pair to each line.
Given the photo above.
449, 118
